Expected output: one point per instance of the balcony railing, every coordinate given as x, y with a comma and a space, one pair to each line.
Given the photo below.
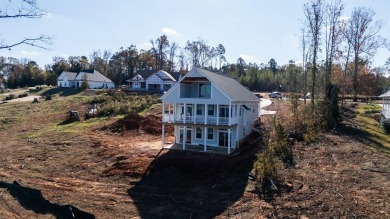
203, 120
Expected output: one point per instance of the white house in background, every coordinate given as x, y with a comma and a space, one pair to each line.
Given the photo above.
64, 79
74, 80
153, 80
209, 110
386, 104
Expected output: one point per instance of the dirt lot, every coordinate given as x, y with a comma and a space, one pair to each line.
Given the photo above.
110, 169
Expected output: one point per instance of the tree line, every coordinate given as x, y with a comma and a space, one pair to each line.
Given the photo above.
336, 53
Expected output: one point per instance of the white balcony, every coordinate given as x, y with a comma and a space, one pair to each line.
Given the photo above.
202, 120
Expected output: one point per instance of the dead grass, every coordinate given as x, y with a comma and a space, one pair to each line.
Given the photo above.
370, 131
127, 175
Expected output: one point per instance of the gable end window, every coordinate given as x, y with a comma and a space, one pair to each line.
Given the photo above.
205, 90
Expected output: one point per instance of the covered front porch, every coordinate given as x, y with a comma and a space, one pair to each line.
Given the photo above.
216, 139
199, 148
386, 104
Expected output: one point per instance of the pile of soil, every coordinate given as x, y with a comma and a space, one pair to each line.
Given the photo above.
150, 124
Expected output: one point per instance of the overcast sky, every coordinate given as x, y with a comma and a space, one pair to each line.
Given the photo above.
252, 29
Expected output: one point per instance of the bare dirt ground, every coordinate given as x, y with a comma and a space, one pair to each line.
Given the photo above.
111, 169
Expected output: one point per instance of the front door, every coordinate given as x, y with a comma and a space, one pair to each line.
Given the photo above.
223, 140
189, 135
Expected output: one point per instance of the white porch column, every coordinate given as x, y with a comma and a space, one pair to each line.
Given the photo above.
184, 137
163, 136
195, 113
237, 135
185, 113
230, 113
163, 111
229, 142
205, 139
217, 114
205, 114
169, 112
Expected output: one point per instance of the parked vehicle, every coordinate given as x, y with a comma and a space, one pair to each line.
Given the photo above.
275, 95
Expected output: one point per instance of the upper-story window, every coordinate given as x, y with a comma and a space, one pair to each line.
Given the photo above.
204, 90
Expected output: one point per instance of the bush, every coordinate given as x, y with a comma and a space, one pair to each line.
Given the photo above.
22, 95
10, 97
386, 125
265, 170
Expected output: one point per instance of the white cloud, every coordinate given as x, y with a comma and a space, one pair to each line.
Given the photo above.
28, 53
248, 58
170, 32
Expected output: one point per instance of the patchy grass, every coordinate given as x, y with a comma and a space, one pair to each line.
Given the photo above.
370, 129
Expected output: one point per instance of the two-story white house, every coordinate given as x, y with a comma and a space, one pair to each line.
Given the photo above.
150, 80
209, 110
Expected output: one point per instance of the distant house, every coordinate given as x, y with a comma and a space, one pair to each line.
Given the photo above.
386, 104
74, 80
65, 78
209, 111
150, 80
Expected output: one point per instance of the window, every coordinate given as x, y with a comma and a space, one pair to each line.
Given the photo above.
210, 133
198, 133
224, 111
204, 90
199, 110
211, 110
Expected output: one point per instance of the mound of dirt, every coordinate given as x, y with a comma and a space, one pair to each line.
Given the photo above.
150, 124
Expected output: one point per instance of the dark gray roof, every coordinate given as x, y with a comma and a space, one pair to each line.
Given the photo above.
176, 75
230, 86
387, 94
145, 73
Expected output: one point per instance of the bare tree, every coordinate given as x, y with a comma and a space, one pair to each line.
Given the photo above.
361, 33
332, 35
314, 13
24, 9
172, 55
159, 47
200, 53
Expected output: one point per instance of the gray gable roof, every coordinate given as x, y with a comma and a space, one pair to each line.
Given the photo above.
70, 75
93, 76
232, 88
387, 94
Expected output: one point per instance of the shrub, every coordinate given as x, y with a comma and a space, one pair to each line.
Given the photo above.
10, 97
22, 95
265, 170
386, 125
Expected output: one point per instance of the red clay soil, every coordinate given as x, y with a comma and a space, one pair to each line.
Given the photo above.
150, 124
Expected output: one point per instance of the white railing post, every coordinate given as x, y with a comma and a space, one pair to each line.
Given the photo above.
217, 114
205, 114
229, 142
205, 139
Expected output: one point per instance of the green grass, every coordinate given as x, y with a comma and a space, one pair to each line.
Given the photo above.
370, 129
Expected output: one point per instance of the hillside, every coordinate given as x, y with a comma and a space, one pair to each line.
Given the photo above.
106, 168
